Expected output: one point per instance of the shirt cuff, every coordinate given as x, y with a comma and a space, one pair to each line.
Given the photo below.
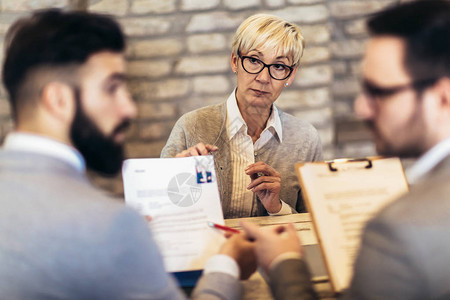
283, 257
285, 210
222, 263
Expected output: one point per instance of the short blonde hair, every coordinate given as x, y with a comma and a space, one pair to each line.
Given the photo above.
264, 31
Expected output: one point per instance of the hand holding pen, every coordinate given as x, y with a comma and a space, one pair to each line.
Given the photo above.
238, 247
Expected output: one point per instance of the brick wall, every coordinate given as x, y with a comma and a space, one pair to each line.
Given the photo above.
179, 53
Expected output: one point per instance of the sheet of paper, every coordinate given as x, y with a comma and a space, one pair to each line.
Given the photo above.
181, 196
341, 202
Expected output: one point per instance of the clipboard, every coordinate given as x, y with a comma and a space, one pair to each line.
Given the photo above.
341, 196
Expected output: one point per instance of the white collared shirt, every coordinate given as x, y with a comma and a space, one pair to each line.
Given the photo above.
428, 161
243, 154
20, 141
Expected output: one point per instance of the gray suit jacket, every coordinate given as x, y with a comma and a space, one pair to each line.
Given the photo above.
404, 252
62, 238
301, 143
406, 249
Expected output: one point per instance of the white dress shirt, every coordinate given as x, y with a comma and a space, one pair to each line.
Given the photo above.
28, 142
428, 161
243, 153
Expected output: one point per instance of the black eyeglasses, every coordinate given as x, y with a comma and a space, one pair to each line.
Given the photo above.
253, 65
376, 92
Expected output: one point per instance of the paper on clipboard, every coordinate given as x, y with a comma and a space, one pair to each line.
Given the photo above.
180, 195
341, 197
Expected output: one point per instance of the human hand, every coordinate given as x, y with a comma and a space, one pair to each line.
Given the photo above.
242, 251
199, 149
266, 183
270, 242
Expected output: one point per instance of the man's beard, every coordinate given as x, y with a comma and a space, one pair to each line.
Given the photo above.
100, 152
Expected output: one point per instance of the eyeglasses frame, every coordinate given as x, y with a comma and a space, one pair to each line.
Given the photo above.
374, 92
291, 68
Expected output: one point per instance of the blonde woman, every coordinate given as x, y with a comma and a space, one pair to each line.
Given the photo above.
254, 143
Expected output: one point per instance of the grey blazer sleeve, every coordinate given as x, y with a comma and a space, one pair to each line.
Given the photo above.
217, 286
291, 279
384, 268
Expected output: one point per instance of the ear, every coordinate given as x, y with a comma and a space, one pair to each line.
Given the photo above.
291, 78
441, 91
444, 89
59, 101
234, 62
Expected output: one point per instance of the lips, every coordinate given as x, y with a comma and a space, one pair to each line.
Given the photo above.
259, 92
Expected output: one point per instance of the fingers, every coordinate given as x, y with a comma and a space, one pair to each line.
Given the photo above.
197, 150
262, 169
251, 230
264, 183
227, 234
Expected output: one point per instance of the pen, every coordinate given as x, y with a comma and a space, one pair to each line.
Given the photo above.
223, 227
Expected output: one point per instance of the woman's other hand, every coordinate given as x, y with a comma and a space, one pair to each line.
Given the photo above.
266, 183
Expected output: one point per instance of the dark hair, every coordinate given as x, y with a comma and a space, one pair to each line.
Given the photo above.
55, 38
424, 25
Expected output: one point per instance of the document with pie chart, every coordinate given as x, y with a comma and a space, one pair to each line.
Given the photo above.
178, 196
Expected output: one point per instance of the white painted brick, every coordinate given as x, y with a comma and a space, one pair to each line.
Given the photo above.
112, 7
158, 110
315, 34
339, 67
295, 99
239, 4
154, 48
206, 43
326, 136
211, 84
203, 64
320, 117
149, 68
355, 68
27, 5
346, 87
303, 14
343, 108
349, 9
348, 48
305, 1
144, 149
143, 90
315, 54
154, 130
313, 76
207, 22
153, 6
189, 5
3, 29
356, 27
191, 103
145, 26
274, 3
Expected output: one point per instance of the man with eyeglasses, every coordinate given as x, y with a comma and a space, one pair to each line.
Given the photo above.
255, 144
406, 102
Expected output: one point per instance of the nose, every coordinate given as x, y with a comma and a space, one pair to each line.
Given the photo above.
363, 107
128, 107
263, 76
